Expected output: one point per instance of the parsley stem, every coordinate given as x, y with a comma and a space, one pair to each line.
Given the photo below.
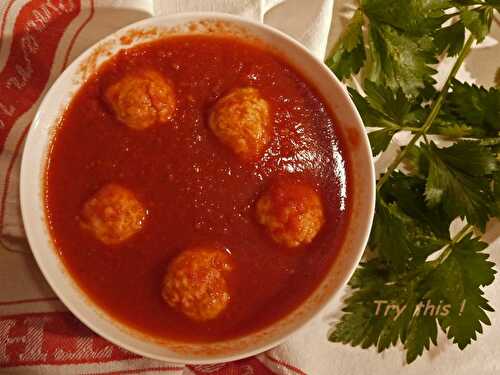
489, 141
339, 43
456, 239
436, 107
409, 128
480, 7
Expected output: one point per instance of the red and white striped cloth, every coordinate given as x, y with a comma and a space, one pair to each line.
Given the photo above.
38, 39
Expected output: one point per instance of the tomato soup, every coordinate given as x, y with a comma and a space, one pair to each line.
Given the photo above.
196, 191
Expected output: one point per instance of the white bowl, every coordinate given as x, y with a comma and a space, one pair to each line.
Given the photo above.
34, 165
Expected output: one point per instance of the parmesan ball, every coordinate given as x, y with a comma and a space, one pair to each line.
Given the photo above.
195, 283
113, 214
241, 122
142, 99
291, 212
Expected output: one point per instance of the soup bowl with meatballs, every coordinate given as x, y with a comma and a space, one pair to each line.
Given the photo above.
195, 188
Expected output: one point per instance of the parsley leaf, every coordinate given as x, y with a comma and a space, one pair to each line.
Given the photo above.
363, 324
422, 331
400, 60
477, 270
408, 193
450, 38
475, 106
388, 235
478, 21
494, 3
401, 239
496, 189
416, 163
462, 190
349, 54
469, 157
414, 16
469, 111
384, 108
458, 280
380, 140
372, 110
371, 318
393, 105
450, 127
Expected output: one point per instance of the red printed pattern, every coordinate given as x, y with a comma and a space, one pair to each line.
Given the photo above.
59, 338
38, 29
249, 366
44, 9
52, 338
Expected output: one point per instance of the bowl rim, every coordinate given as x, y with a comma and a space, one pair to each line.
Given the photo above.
25, 177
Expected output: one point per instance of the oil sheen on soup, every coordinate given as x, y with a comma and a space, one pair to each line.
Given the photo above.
197, 188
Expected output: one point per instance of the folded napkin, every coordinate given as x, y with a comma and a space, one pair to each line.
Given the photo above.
307, 21
38, 39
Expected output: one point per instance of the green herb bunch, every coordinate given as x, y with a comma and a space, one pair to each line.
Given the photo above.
391, 46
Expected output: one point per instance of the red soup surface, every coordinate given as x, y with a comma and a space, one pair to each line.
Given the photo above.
197, 191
